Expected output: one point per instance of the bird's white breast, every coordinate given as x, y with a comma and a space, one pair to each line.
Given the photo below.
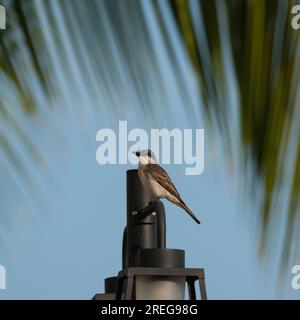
151, 185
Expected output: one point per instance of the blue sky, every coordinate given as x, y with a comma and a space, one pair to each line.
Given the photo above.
66, 238
63, 217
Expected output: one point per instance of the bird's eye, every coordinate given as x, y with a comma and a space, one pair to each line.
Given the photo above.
137, 153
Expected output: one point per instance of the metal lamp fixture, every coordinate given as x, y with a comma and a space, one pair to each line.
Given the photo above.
150, 271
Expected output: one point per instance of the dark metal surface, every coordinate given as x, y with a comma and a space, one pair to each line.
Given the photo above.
124, 250
110, 284
161, 224
144, 247
145, 220
161, 258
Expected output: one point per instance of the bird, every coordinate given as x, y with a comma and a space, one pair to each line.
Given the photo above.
157, 181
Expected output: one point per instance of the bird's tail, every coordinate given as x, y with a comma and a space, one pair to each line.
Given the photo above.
182, 205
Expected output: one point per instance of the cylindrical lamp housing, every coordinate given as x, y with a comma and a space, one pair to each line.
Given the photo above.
160, 287
140, 233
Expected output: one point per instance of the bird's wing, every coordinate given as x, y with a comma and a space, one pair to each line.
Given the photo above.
162, 177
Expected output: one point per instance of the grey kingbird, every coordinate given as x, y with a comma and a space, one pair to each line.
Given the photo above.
157, 181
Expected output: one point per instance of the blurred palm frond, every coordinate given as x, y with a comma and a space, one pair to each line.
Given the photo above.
265, 49
250, 41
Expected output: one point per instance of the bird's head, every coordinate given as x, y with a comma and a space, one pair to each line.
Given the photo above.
146, 156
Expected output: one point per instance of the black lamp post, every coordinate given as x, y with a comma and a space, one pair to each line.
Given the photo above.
150, 270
